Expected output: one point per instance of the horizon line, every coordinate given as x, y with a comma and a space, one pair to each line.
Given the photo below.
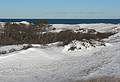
61, 18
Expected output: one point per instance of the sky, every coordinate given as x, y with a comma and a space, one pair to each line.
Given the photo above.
60, 9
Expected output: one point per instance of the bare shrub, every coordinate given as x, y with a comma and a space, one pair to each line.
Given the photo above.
22, 34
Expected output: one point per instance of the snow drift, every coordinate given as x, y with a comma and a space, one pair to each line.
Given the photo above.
54, 64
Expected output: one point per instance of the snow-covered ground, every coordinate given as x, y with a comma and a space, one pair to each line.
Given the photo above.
12, 48
55, 64
101, 27
2, 24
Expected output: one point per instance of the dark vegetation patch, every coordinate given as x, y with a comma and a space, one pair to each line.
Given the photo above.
46, 38
33, 34
72, 48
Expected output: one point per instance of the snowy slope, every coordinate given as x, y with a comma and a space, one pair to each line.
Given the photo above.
12, 48
53, 64
101, 27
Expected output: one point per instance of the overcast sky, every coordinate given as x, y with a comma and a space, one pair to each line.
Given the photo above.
61, 9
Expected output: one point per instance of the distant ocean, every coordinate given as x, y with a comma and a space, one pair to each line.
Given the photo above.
67, 21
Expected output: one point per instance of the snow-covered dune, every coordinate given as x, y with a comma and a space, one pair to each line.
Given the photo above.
2, 24
54, 64
101, 27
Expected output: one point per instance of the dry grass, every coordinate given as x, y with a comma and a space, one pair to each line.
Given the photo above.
31, 37
101, 79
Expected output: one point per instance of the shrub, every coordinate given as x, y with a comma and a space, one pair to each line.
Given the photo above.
22, 34
12, 50
3, 52
27, 47
72, 48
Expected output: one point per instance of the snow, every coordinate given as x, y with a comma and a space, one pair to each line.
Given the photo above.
101, 27
2, 24
54, 64
25, 22
11, 48
82, 45
22, 22
62, 27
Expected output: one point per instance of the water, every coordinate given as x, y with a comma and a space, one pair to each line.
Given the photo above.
67, 21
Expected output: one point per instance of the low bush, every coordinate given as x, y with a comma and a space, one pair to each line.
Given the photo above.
26, 47
30, 36
3, 52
